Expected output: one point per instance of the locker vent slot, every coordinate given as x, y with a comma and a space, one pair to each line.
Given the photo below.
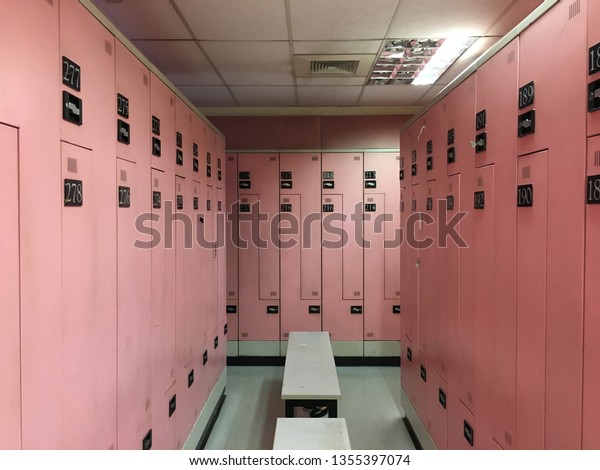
356, 293
51, 2
273, 159
468, 433
315, 293
357, 159
108, 47
273, 293
597, 158
511, 57
123, 175
574, 9
171, 101
232, 293
145, 79
156, 182
508, 438
315, 159
526, 173
72, 165
370, 335
480, 181
244, 335
335, 67
286, 199
230, 159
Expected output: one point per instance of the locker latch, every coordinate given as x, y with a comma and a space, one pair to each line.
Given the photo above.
526, 123
480, 142
147, 442
423, 374
172, 405
442, 398
594, 96
191, 378
468, 433
356, 309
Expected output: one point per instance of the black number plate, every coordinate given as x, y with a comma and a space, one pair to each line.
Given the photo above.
286, 175
451, 155
593, 189
328, 184
216, 342
287, 185
156, 200
204, 358
429, 146
328, 208
594, 62
195, 149
179, 139
71, 74
370, 175
72, 108
156, 147
423, 374
122, 106
179, 158
442, 398
155, 125
286, 208
124, 196
396, 309
526, 95
370, 207
73, 193
179, 202
208, 172
429, 163
594, 96
356, 309
526, 123
468, 433
480, 119
147, 442
401, 175
328, 175
123, 132
370, 184
429, 205
525, 195
244, 175
244, 208
414, 169
196, 204
191, 378
219, 175
479, 200
409, 354
450, 202
451, 136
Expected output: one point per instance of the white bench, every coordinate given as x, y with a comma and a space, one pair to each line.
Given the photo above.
310, 378
311, 434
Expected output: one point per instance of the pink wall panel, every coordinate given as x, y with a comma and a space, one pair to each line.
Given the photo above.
134, 322
591, 380
162, 125
532, 252
10, 336
347, 132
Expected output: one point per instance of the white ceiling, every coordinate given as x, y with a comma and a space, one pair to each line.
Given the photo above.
229, 56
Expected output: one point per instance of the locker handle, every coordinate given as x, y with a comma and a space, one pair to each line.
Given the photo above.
477, 143
597, 93
525, 123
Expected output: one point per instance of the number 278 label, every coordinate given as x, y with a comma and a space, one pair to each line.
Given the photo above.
73, 193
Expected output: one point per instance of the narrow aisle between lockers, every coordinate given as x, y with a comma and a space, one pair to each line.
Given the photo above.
370, 404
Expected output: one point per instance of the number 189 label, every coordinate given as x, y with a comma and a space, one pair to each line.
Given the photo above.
593, 189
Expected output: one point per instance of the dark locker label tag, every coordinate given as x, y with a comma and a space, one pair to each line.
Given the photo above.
195, 149
409, 354
200, 219
594, 96
401, 175
370, 175
526, 95
156, 199
593, 189
155, 125
525, 195
286, 185
414, 169
244, 208
179, 140
429, 206
480, 119
328, 175
271, 309
196, 165
314, 309
370, 184
122, 106
208, 157
526, 124
396, 309
442, 398
370, 207
147, 441
451, 155
172, 405
219, 175
179, 202
481, 142
225, 329
429, 163
219, 163
191, 378
208, 205
179, 158
124, 196
401, 206
72, 108
423, 374
232, 309
594, 62
413, 156
429, 146
156, 150
356, 309
479, 200
414, 205
450, 202
219, 206
286, 175
204, 358
245, 185
328, 208
328, 184
196, 204
286, 208
71, 74
244, 175
216, 342
468, 433
451, 136
208, 172
123, 132
73, 193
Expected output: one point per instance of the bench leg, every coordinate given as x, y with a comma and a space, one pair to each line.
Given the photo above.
289, 409
332, 410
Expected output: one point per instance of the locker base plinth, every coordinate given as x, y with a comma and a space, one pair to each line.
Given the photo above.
332, 408
411, 415
382, 348
258, 348
233, 348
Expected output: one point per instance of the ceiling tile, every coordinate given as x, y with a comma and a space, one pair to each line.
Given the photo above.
181, 61
208, 95
514, 16
139, 20
252, 63
326, 81
438, 18
264, 95
243, 20
328, 95
341, 19
337, 47
431, 94
392, 95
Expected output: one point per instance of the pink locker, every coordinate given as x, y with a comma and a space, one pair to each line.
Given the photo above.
558, 33
89, 316
163, 316
223, 328
432, 144
31, 68
413, 231
382, 269
300, 252
342, 265
408, 368
198, 148
162, 125
591, 378
134, 322
438, 410
532, 229
212, 323
231, 237
10, 336
463, 432
258, 181
422, 386
183, 151
593, 32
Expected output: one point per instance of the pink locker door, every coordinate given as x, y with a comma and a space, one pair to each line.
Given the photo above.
593, 39
532, 227
162, 125
459, 109
222, 329
198, 148
422, 390
300, 176
221, 162
432, 143
10, 336
407, 374
438, 411
134, 321
210, 222
87, 64
163, 318
410, 315
132, 107
404, 257
183, 151
231, 240
89, 342
416, 153
591, 376
483, 301
463, 432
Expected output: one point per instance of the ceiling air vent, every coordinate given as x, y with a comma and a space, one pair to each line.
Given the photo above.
333, 67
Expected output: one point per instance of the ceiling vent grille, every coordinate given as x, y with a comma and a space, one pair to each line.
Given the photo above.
333, 67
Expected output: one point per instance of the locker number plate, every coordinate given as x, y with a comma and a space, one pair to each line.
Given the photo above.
525, 195
593, 189
124, 196
122, 106
73, 193
71, 74
526, 95
479, 200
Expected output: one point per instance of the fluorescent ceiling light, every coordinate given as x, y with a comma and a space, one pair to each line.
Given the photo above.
446, 55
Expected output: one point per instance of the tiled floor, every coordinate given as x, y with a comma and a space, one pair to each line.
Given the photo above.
370, 403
